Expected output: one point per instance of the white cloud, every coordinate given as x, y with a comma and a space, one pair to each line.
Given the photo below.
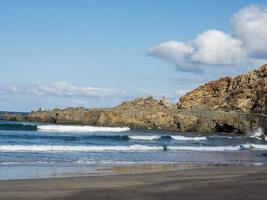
175, 52
217, 48
58, 89
211, 47
250, 26
80, 96
27, 97
246, 44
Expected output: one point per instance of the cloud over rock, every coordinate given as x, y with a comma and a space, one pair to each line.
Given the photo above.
217, 48
250, 26
175, 52
247, 43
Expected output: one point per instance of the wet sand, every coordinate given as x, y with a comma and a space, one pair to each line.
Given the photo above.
199, 182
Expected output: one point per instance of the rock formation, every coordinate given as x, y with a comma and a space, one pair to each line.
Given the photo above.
246, 93
11, 116
230, 104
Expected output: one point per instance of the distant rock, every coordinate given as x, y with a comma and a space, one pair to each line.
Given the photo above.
11, 116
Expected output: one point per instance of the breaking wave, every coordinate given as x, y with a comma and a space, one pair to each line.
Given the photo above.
179, 137
133, 148
257, 133
79, 137
63, 148
201, 148
68, 128
158, 137
225, 137
144, 137
18, 127
255, 146
60, 128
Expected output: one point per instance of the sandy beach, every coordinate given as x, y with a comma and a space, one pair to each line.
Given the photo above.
210, 182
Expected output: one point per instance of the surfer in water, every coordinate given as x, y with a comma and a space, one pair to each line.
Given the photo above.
165, 147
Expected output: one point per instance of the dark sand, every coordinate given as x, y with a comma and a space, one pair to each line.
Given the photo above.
202, 183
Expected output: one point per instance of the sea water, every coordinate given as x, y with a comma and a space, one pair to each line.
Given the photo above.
31, 150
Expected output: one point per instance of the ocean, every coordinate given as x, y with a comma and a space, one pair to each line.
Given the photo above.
34, 150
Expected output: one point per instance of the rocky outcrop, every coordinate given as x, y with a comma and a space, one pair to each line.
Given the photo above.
80, 116
246, 93
148, 113
11, 116
145, 113
231, 104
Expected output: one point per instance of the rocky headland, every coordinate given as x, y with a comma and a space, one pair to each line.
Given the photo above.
230, 104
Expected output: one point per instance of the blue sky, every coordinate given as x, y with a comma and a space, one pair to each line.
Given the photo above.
97, 53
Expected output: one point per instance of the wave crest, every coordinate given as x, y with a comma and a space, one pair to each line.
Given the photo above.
179, 137
69, 128
18, 127
62, 148
144, 137
201, 148
255, 146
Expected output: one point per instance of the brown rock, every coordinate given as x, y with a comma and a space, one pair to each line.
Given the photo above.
246, 92
11, 116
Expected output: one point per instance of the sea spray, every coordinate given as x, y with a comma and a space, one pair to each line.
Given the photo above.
258, 133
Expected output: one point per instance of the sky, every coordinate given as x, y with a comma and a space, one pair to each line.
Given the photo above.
98, 53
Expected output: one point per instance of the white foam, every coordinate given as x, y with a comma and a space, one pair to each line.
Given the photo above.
62, 148
145, 137
257, 133
205, 148
255, 146
83, 161
9, 163
133, 148
259, 146
179, 137
225, 137
68, 128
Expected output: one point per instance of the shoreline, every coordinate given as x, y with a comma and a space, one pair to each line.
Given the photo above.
39, 172
199, 182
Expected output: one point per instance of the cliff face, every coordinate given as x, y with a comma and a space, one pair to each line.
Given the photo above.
226, 105
246, 92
